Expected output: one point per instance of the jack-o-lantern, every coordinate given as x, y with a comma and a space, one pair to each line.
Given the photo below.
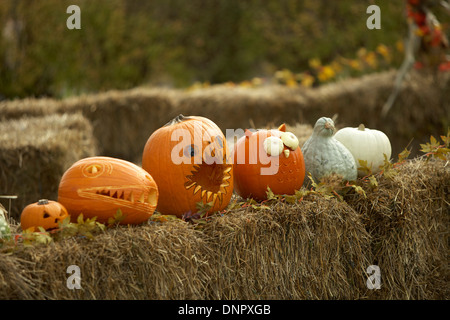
99, 186
267, 158
44, 213
190, 162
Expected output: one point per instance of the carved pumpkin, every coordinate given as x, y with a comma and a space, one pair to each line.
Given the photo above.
99, 186
267, 158
366, 144
188, 158
44, 213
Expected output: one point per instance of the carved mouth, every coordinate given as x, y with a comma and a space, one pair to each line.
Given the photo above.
210, 180
132, 196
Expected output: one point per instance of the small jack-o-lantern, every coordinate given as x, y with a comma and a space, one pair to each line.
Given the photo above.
45, 213
99, 186
267, 158
190, 162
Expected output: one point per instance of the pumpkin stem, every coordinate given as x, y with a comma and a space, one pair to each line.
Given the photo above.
179, 118
42, 202
361, 127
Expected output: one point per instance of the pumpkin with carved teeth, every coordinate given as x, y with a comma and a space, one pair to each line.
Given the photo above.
99, 186
189, 160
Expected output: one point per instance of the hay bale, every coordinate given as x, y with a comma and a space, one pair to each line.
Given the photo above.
312, 250
245, 108
122, 121
145, 262
421, 108
319, 248
35, 152
408, 220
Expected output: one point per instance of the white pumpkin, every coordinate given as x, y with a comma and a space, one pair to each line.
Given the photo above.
324, 155
366, 144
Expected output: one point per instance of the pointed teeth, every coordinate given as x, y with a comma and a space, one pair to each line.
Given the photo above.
203, 193
189, 184
196, 168
227, 170
286, 153
197, 189
214, 197
226, 177
208, 195
224, 185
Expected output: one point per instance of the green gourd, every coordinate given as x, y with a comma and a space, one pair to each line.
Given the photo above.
324, 155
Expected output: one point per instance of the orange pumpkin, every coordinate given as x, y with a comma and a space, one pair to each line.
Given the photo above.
267, 158
190, 162
44, 213
99, 186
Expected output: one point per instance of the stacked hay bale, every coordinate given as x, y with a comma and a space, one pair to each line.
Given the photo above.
35, 152
407, 217
122, 121
318, 248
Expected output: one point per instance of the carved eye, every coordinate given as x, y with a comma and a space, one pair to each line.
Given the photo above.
290, 140
93, 170
273, 146
190, 151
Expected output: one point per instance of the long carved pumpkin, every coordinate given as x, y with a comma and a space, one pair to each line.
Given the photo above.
267, 158
99, 186
189, 160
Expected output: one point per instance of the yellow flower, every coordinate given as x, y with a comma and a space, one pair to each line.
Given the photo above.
326, 73
257, 81
362, 52
307, 80
355, 64
336, 66
314, 63
399, 45
291, 82
384, 52
246, 84
371, 59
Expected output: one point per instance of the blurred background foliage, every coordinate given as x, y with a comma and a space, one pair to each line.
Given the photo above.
175, 43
